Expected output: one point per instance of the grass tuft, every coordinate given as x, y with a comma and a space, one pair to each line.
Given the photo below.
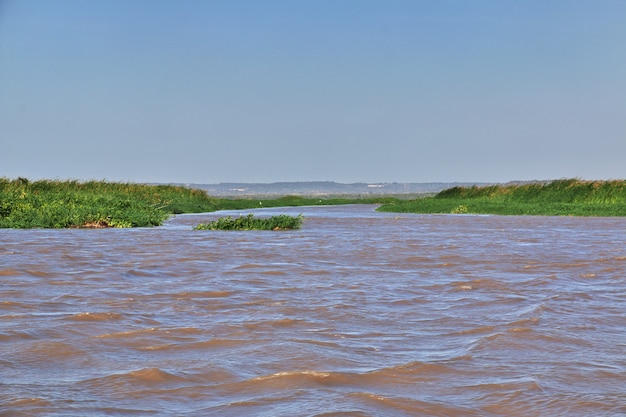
249, 222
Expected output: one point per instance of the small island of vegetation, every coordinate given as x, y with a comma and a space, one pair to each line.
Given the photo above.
249, 222
567, 197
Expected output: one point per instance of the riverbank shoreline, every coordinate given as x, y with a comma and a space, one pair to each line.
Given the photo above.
73, 204
567, 197
26, 204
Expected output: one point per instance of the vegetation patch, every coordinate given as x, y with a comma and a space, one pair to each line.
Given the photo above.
98, 204
249, 222
297, 201
93, 204
569, 197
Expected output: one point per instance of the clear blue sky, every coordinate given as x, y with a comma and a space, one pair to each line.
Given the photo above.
211, 91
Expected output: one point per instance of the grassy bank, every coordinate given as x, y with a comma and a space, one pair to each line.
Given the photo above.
66, 204
571, 197
61, 204
249, 222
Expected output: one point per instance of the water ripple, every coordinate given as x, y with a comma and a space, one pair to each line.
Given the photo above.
359, 313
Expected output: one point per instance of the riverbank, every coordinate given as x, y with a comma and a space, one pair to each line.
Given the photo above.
99, 204
567, 197
28, 204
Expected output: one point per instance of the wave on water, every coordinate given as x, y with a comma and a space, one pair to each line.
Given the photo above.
101, 316
157, 380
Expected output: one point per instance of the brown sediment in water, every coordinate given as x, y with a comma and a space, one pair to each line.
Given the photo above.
358, 313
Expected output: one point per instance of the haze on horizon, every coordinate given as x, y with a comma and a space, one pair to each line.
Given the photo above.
314, 90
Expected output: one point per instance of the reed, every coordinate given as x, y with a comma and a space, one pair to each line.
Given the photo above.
249, 222
68, 204
572, 197
63, 204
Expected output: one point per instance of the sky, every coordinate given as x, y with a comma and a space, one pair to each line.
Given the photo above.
209, 91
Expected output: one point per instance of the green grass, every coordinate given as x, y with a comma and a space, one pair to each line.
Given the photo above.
295, 201
570, 197
249, 222
63, 204
66, 204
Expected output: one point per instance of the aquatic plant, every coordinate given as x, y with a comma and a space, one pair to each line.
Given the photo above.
249, 222
98, 204
572, 197
61, 204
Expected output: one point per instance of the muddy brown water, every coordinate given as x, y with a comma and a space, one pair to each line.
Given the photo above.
359, 313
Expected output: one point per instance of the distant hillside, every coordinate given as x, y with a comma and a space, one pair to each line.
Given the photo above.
324, 188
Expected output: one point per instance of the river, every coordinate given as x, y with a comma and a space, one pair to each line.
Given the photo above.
358, 313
